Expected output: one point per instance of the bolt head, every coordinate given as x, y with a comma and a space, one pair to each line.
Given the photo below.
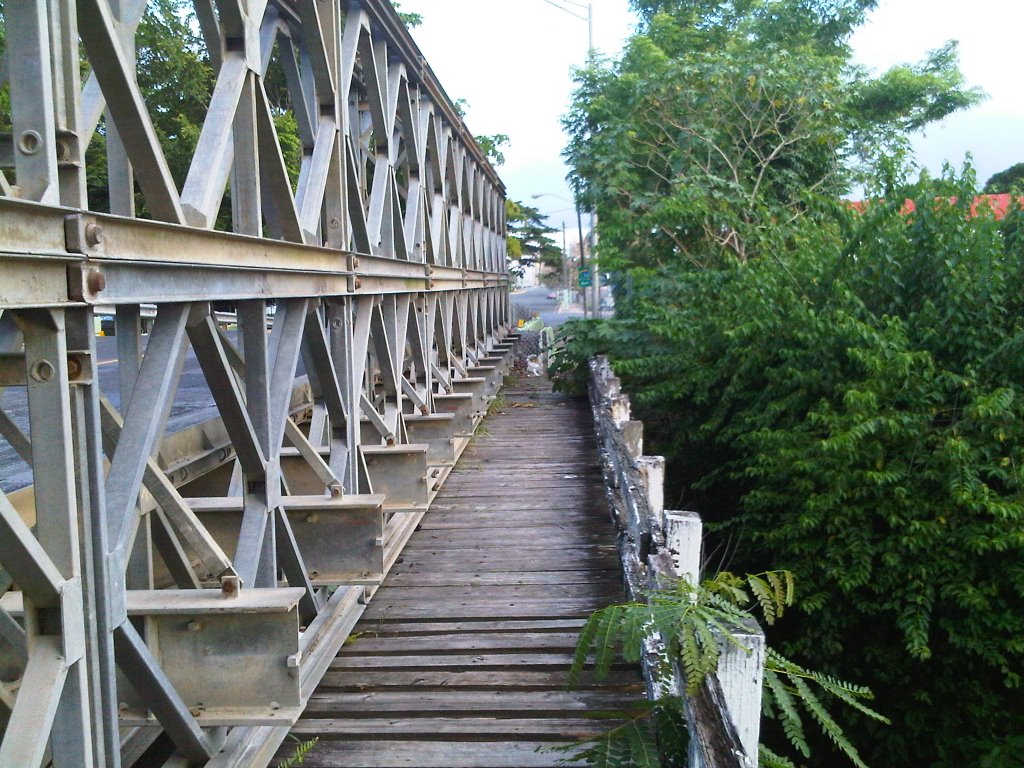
96, 282
93, 234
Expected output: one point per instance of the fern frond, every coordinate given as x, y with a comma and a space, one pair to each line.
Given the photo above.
829, 726
299, 755
630, 745
787, 714
583, 645
768, 759
608, 639
669, 719
765, 597
642, 749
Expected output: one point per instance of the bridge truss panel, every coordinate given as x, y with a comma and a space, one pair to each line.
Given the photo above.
198, 583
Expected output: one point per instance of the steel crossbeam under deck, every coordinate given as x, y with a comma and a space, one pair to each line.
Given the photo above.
190, 589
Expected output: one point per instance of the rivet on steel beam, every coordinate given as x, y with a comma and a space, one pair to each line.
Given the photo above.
42, 371
390, 441
355, 262
333, 223
359, 283
29, 142
195, 626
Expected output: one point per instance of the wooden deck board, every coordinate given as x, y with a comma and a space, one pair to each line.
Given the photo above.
461, 659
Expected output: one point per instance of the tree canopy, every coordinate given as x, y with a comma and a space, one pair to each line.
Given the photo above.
837, 389
1005, 180
529, 238
722, 117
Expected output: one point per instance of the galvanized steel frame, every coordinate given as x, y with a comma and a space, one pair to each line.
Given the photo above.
122, 613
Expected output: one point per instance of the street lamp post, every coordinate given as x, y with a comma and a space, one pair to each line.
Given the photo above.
579, 224
595, 278
589, 18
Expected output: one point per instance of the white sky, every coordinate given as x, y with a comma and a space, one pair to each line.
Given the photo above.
511, 63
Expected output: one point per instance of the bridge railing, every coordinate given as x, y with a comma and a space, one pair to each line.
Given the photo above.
199, 583
658, 547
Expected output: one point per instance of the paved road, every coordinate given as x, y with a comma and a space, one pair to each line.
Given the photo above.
193, 404
536, 300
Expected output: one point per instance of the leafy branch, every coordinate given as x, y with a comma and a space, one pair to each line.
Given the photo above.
695, 624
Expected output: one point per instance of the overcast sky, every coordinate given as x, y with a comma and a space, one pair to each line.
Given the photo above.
511, 62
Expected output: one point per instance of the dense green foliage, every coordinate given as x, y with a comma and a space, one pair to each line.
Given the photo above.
839, 393
698, 622
1005, 180
857, 416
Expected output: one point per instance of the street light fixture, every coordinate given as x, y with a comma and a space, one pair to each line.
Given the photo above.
579, 225
589, 18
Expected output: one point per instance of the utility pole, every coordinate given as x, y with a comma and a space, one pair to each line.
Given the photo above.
595, 275
566, 264
583, 257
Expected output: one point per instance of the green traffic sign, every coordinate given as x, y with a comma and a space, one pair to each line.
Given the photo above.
584, 277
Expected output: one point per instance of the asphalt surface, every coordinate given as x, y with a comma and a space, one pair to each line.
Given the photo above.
193, 402
536, 300
192, 405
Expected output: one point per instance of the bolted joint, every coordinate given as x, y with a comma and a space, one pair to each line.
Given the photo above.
85, 282
81, 235
230, 585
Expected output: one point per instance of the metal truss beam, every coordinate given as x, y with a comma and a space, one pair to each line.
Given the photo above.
199, 583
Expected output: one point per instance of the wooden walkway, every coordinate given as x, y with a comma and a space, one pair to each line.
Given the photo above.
460, 661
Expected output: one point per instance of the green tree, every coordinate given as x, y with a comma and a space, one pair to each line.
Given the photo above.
411, 20
707, 137
177, 81
529, 236
1005, 180
492, 146
837, 392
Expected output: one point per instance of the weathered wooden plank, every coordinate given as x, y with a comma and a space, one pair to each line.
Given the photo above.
482, 679
561, 580
462, 728
532, 555
431, 754
506, 642
537, 661
499, 593
326, 703
452, 537
521, 608
475, 627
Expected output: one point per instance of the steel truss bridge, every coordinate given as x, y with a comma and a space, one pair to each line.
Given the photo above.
380, 271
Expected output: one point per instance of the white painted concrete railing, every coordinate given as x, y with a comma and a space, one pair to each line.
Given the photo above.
657, 545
